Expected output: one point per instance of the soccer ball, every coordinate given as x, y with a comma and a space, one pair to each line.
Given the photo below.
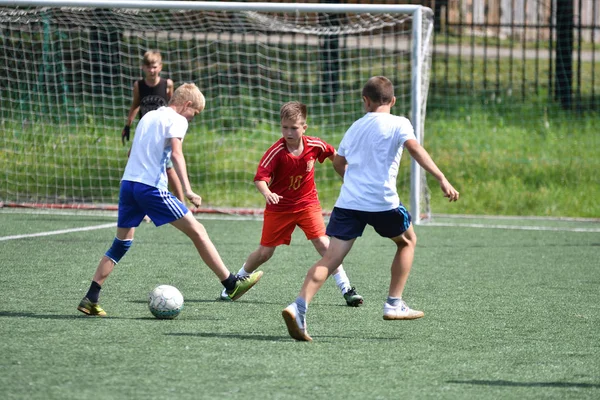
165, 302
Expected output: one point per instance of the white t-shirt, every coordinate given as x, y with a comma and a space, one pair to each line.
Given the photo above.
373, 147
151, 148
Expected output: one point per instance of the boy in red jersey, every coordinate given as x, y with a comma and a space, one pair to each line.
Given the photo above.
286, 178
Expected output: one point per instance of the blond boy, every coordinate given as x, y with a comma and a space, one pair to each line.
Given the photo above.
158, 138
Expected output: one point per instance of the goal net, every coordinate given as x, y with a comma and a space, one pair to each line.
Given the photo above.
69, 69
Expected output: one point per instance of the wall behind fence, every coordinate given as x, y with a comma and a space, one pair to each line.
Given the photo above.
520, 46
518, 18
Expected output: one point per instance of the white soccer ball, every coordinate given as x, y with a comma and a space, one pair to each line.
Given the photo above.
165, 302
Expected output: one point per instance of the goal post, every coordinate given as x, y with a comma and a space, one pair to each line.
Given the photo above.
70, 68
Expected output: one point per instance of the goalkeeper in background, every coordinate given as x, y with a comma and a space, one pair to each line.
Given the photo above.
149, 94
286, 179
368, 160
158, 138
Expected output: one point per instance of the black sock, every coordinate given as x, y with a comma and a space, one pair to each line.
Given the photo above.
94, 292
229, 283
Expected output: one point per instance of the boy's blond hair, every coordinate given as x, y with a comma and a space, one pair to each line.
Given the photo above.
293, 111
188, 92
379, 89
152, 57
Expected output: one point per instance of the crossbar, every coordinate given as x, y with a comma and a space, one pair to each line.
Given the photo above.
219, 6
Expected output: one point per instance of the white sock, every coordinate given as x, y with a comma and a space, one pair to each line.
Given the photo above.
342, 281
242, 271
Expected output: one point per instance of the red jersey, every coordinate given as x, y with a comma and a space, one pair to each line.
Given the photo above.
293, 177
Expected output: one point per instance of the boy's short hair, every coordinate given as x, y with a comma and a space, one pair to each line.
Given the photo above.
293, 110
188, 92
152, 57
379, 89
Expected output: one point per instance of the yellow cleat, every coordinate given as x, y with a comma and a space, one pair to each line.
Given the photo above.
243, 284
89, 308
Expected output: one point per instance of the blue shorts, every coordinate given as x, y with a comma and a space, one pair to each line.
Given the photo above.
137, 200
346, 224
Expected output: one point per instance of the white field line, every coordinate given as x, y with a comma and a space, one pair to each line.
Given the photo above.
513, 227
226, 217
59, 232
516, 217
233, 215
113, 214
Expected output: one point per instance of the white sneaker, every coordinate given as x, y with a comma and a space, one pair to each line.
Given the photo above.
401, 311
296, 325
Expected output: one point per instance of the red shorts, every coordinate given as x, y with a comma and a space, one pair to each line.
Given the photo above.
279, 226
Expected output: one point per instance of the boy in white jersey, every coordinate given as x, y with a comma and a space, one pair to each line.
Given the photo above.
368, 159
158, 139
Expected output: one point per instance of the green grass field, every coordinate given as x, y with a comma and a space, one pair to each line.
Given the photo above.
509, 314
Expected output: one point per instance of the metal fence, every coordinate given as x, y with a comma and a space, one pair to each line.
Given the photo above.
522, 47
527, 47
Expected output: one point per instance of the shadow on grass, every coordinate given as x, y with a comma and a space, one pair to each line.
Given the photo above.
83, 316
256, 302
286, 338
186, 300
323, 338
529, 384
232, 336
40, 316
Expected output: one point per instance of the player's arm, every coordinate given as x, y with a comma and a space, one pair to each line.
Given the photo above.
170, 89
339, 164
263, 188
422, 157
133, 110
179, 164
135, 104
331, 157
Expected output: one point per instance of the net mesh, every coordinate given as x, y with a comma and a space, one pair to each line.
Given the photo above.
70, 73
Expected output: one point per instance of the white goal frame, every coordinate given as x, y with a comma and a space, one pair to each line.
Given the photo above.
417, 53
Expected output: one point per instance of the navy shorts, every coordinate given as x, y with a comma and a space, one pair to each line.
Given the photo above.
345, 224
137, 200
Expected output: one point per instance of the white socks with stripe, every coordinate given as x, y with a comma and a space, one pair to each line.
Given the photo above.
342, 281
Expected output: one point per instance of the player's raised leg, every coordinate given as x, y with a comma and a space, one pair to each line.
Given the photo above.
315, 277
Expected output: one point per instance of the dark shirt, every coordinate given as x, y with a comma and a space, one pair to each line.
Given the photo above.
152, 98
